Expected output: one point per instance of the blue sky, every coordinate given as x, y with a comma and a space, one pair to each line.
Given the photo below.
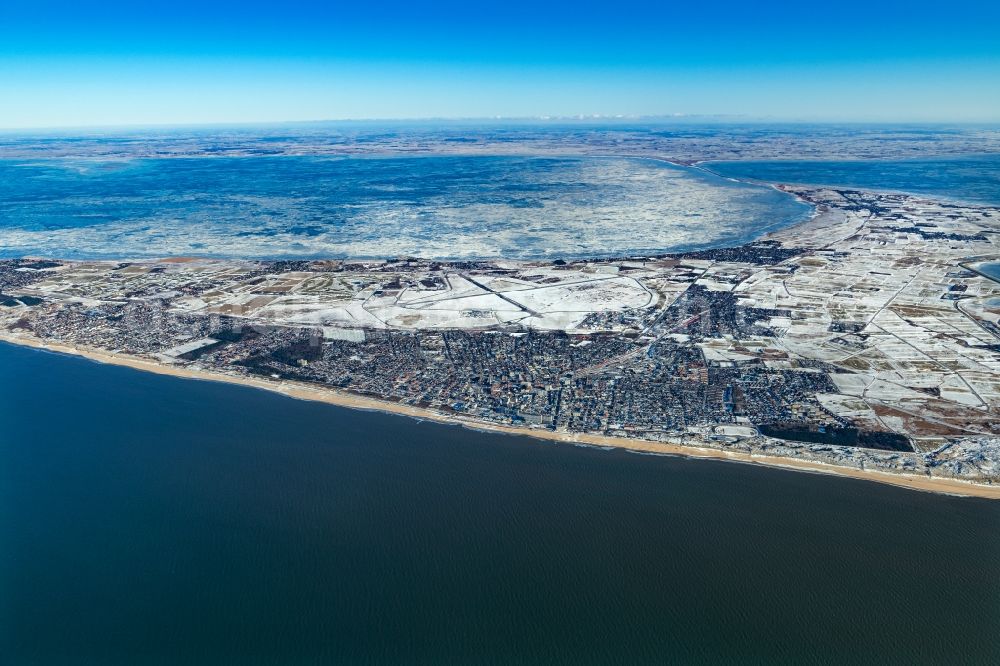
154, 62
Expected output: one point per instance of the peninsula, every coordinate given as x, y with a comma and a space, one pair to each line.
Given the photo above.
863, 342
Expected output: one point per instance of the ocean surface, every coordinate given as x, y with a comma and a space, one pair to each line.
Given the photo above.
973, 179
435, 207
153, 520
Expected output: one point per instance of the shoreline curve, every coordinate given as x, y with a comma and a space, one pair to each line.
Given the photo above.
302, 391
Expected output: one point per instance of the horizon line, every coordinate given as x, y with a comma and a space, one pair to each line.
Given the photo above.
717, 118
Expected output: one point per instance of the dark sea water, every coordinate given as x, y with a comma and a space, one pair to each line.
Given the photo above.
974, 179
449, 207
153, 520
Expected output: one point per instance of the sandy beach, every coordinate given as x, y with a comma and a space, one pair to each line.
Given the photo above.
303, 391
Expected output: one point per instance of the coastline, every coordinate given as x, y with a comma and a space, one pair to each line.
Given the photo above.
302, 391
706, 165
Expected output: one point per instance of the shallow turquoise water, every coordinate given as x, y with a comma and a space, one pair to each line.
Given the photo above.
153, 520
